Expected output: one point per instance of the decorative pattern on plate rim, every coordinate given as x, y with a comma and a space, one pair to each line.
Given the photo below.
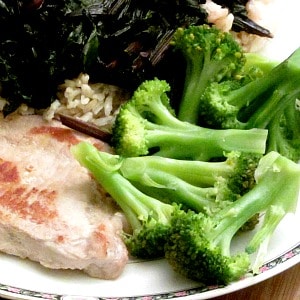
19, 293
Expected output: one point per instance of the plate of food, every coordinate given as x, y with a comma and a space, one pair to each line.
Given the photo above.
85, 209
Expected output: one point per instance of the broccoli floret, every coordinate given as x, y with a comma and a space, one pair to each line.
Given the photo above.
260, 103
147, 125
148, 217
283, 137
198, 246
197, 185
195, 251
211, 56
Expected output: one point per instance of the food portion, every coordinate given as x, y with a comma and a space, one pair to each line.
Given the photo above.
146, 124
199, 246
94, 103
267, 101
195, 136
117, 42
172, 212
196, 244
51, 210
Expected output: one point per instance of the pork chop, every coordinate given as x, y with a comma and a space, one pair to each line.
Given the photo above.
51, 210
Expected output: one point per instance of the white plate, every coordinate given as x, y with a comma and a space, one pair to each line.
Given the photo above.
22, 279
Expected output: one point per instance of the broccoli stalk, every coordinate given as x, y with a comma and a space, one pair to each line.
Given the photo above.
148, 217
260, 103
197, 185
211, 56
258, 62
146, 124
199, 246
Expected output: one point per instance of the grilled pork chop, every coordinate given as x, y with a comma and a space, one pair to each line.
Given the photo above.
51, 210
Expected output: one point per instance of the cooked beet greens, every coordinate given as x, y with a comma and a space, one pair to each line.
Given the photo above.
122, 42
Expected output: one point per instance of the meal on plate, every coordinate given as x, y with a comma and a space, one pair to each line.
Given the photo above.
145, 129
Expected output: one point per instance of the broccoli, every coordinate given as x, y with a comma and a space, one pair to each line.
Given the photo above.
210, 56
146, 124
198, 245
284, 138
148, 213
197, 185
258, 64
148, 217
260, 103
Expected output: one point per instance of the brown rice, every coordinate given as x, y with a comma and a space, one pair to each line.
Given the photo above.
97, 103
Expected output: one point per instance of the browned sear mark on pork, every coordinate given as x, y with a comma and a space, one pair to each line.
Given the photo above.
34, 204
8, 172
63, 135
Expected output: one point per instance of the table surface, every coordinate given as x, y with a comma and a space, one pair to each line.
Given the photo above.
284, 286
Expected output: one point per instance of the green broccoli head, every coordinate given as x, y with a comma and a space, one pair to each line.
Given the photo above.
152, 102
205, 44
149, 240
211, 56
244, 165
216, 111
192, 253
129, 132
199, 246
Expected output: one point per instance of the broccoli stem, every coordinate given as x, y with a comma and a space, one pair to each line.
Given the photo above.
146, 124
195, 85
155, 105
282, 96
133, 202
203, 143
276, 89
264, 103
257, 61
198, 78
198, 185
198, 173
148, 217
272, 216
259, 243
246, 95
171, 189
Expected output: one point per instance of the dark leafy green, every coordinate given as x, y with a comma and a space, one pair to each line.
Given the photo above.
122, 42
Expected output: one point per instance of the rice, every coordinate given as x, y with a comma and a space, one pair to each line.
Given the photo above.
260, 11
218, 15
97, 103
